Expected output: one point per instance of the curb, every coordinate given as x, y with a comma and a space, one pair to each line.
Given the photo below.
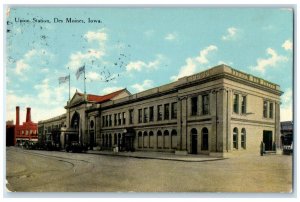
156, 158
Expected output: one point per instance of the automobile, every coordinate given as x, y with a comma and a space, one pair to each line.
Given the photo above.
76, 147
288, 149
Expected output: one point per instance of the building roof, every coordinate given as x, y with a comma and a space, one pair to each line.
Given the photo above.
102, 98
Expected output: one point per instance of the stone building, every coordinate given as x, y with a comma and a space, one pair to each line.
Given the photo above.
217, 112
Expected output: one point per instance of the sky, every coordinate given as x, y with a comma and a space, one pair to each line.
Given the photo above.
138, 49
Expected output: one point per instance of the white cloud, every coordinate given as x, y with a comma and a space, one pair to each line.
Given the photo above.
231, 34
188, 69
21, 66
225, 63
78, 59
93, 76
202, 58
32, 58
111, 89
139, 65
271, 61
286, 109
171, 36
99, 36
287, 45
141, 87
192, 63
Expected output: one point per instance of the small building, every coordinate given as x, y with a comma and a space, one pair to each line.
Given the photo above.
27, 131
217, 112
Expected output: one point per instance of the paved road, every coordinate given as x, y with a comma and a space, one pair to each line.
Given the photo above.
44, 171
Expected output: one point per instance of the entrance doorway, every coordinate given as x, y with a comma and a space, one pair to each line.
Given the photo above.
267, 139
92, 140
194, 141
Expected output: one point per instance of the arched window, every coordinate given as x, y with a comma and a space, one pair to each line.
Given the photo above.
145, 140
110, 141
159, 139
115, 138
106, 140
243, 138
119, 140
194, 141
140, 139
174, 139
204, 142
166, 139
151, 139
235, 138
103, 143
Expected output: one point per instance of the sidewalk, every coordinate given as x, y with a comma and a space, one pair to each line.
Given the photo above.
158, 155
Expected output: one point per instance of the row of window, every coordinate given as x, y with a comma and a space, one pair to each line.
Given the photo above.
268, 113
119, 119
163, 140
204, 106
235, 138
146, 114
27, 132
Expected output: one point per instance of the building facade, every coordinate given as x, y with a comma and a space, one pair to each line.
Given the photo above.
216, 112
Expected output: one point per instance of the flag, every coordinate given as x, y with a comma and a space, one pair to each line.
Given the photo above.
80, 71
63, 79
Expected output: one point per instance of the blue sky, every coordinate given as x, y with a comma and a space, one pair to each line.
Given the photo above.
139, 48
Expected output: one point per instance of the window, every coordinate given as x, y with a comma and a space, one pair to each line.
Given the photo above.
194, 101
204, 142
115, 119
106, 120
124, 119
103, 121
235, 138
159, 112
244, 105
131, 116
174, 110
140, 139
271, 110
265, 109
110, 121
140, 115
167, 112
145, 115
243, 138
205, 104
115, 139
236, 103
119, 118
151, 114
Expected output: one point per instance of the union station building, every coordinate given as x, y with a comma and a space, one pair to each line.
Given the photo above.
217, 112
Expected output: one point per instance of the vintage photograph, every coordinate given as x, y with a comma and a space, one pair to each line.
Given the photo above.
149, 99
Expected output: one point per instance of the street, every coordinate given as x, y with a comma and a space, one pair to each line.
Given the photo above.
52, 171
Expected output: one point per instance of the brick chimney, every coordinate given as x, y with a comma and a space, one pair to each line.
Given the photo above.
17, 115
28, 115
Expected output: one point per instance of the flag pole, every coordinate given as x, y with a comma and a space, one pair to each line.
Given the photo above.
69, 96
84, 81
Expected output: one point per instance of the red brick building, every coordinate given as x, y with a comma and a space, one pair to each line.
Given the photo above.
26, 131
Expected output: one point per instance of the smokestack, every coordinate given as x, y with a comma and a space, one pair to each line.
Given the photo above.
17, 115
28, 115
